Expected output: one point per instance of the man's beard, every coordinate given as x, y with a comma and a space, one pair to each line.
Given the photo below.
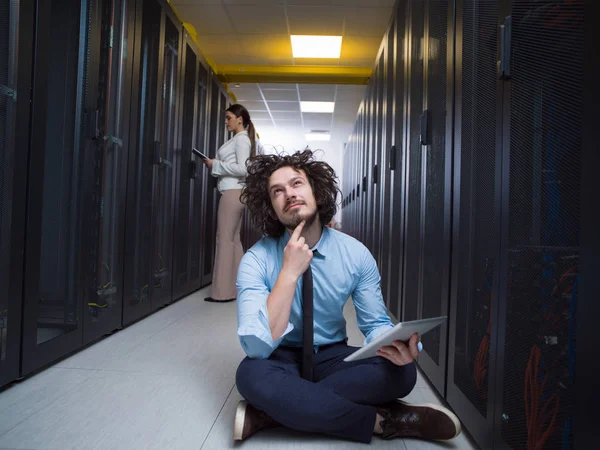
292, 223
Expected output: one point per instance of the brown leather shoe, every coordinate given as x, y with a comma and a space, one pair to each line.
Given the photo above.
426, 421
249, 420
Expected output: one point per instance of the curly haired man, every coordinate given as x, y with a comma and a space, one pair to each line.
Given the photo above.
294, 374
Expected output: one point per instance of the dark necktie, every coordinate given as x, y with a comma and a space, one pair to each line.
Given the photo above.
307, 328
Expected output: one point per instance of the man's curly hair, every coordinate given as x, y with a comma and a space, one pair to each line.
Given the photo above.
255, 194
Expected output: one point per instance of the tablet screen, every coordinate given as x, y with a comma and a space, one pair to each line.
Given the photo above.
199, 153
402, 332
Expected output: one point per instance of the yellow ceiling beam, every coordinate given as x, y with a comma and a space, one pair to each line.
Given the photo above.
293, 74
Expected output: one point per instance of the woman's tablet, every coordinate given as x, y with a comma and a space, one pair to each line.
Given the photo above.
199, 153
401, 332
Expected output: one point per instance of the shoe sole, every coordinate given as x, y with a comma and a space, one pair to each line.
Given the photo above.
212, 300
446, 411
240, 416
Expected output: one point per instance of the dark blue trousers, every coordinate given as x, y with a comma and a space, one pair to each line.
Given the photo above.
340, 402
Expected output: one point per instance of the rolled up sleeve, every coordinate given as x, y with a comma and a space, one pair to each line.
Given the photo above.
253, 317
371, 312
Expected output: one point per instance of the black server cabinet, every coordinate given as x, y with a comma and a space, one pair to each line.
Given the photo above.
588, 310
362, 170
198, 205
216, 138
435, 161
378, 176
398, 156
385, 185
372, 151
16, 26
540, 241
516, 264
150, 193
104, 163
55, 254
412, 231
185, 238
476, 219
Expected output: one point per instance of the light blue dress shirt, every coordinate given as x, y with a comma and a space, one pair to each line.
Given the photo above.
341, 267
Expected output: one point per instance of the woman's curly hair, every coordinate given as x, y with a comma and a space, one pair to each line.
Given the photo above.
255, 195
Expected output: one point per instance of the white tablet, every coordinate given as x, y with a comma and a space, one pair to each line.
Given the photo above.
199, 153
401, 332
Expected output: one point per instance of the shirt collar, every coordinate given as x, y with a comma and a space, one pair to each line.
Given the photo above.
321, 246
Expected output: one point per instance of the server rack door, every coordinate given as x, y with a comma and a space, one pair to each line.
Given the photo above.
474, 279
199, 180
378, 173
349, 179
588, 310
355, 164
436, 187
414, 238
211, 194
16, 26
163, 183
104, 165
361, 187
186, 171
541, 213
52, 325
352, 180
360, 168
368, 188
398, 157
145, 152
386, 237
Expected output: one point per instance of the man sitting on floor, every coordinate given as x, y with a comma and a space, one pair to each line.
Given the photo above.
294, 374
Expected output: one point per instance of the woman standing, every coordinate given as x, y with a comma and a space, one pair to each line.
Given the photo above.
230, 168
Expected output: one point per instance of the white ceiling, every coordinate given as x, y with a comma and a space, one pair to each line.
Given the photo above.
275, 111
257, 32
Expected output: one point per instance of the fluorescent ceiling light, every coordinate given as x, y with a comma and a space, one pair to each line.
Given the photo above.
317, 107
317, 136
316, 46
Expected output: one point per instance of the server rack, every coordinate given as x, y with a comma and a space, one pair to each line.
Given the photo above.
16, 46
92, 94
53, 319
588, 310
488, 201
199, 212
105, 142
385, 188
378, 173
540, 242
476, 223
187, 237
432, 197
150, 194
398, 157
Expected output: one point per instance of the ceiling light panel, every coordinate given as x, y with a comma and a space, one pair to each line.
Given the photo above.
317, 107
317, 136
316, 46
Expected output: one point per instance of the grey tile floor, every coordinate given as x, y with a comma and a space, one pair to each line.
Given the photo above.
167, 382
